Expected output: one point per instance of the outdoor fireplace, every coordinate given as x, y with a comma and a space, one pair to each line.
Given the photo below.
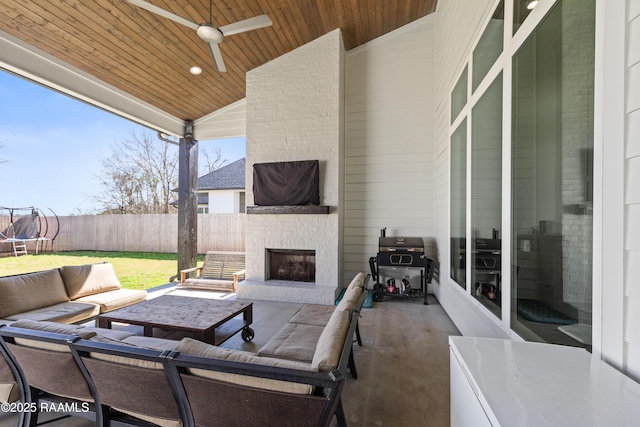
296, 265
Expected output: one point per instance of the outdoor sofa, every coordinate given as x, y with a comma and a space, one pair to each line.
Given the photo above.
188, 382
69, 294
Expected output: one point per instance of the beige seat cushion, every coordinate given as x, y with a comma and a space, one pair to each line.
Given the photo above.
112, 334
198, 348
358, 281
112, 300
350, 298
293, 342
56, 328
331, 342
9, 390
313, 314
30, 291
151, 342
66, 312
90, 279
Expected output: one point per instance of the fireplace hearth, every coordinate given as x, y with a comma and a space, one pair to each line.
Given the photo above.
296, 265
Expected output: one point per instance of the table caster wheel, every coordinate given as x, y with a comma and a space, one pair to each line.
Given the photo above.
248, 334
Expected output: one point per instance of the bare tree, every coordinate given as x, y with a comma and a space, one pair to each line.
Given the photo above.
139, 175
212, 162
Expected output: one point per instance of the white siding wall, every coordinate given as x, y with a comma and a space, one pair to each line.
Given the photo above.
224, 201
632, 197
389, 142
227, 122
458, 25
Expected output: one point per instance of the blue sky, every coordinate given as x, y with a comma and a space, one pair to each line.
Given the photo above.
54, 146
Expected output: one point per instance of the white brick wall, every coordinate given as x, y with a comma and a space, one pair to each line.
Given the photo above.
295, 112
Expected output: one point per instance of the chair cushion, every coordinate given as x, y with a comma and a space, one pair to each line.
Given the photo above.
358, 281
313, 314
293, 342
112, 300
9, 391
350, 298
26, 292
90, 279
151, 342
66, 312
198, 348
56, 328
331, 342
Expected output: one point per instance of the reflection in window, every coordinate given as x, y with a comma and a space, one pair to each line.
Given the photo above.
459, 95
458, 203
521, 10
552, 212
486, 197
489, 46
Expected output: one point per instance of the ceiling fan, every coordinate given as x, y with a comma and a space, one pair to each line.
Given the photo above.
206, 31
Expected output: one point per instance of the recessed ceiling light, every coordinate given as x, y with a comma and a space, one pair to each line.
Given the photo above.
195, 70
531, 4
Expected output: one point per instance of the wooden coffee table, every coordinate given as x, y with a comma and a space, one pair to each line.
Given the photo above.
209, 320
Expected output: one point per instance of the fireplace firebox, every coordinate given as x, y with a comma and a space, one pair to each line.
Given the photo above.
297, 265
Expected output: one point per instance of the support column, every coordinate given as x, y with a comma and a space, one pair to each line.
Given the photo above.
187, 200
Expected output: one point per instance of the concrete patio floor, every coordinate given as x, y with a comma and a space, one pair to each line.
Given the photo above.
403, 365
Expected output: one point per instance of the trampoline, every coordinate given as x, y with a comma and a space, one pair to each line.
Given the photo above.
23, 225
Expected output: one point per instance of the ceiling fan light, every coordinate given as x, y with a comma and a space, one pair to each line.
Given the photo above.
210, 34
195, 70
531, 4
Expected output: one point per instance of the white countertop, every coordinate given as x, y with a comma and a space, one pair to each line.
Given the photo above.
535, 384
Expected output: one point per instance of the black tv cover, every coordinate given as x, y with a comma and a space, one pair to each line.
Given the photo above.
286, 183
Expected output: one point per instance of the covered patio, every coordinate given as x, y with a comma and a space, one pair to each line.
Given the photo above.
395, 99
401, 380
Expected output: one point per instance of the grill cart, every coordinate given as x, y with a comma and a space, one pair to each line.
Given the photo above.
400, 253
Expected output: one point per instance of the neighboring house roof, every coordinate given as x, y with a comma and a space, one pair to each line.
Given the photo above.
228, 177
203, 199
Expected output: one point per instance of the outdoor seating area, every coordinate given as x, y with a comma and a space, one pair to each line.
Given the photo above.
295, 378
69, 294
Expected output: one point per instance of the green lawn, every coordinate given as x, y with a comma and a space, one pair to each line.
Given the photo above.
135, 270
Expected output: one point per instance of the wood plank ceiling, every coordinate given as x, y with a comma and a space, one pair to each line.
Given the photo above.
149, 56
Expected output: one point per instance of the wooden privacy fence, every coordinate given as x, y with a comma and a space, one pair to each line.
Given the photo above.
146, 233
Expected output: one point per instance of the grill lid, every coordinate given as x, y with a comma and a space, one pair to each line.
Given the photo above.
408, 244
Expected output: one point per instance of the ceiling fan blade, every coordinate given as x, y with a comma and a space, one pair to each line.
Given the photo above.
246, 25
169, 15
217, 57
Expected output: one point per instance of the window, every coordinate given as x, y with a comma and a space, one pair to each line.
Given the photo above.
459, 95
489, 46
459, 204
552, 215
486, 198
538, 282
